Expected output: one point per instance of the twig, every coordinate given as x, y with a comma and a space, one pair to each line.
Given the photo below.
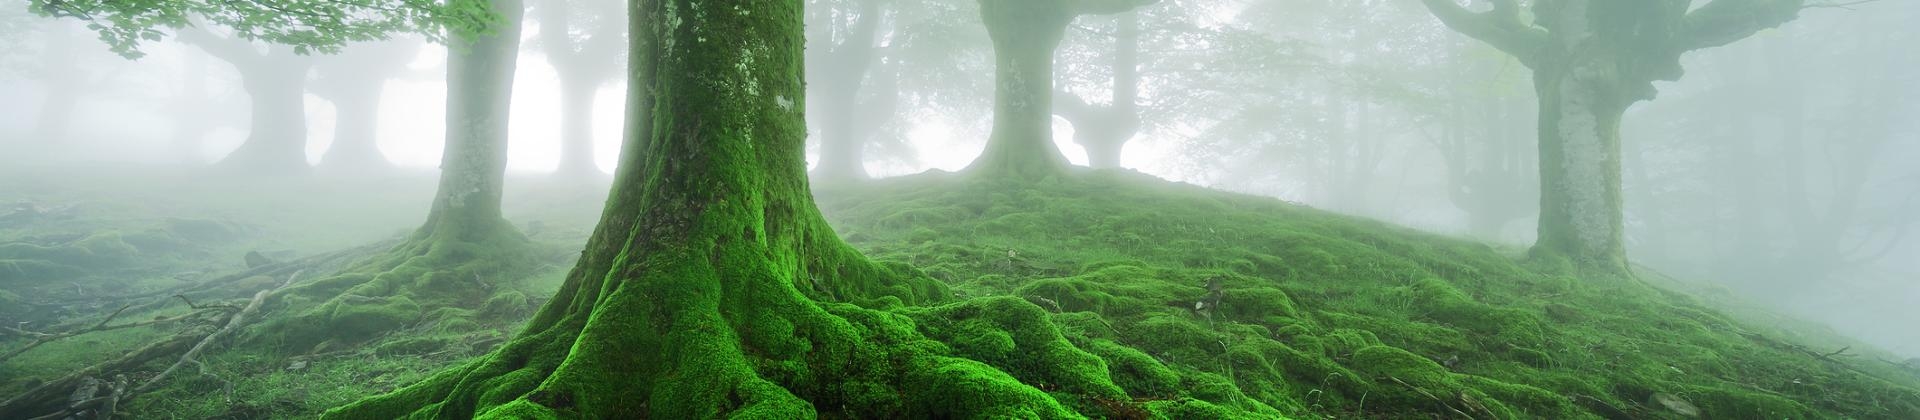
190, 304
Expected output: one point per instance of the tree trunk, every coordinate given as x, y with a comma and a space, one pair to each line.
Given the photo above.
277, 140
191, 124
576, 125
356, 145
464, 243
1025, 34
841, 143
1580, 202
1103, 152
473, 165
691, 299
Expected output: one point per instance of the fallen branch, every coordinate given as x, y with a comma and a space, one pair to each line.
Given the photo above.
51, 396
44, 338
233, 323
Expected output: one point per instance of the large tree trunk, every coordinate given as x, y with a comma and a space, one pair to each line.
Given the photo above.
692, 298
1580, 202
277, 140
356, 125
577, 94
1025, 34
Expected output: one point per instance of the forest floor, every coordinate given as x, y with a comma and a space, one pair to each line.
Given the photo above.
1199, 303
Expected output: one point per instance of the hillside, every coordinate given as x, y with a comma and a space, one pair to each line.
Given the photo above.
1091, 291
1323, 315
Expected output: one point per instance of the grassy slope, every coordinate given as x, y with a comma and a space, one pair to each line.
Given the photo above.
1320, 314
131, 231
1331, 316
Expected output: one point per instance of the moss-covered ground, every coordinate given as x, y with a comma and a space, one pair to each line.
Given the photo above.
1074, 296
1323, 315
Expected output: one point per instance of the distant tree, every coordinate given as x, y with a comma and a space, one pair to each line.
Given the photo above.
1025, 34
1105, 129
275, 79
353, 80
585, 42
848, 48
1591, 59
64, 81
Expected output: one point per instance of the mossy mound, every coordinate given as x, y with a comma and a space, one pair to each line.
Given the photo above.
1093, 289
427, 279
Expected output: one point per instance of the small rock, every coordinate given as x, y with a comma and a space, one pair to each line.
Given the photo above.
1676, 404
298, 365
256, 260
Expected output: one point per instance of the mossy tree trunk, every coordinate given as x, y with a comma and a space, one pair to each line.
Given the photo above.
1591, 60
1025, 34
695, 295
275, 82
841, 76
1105, 130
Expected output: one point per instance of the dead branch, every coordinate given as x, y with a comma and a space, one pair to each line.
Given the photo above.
44, 338
233, 323
50, 396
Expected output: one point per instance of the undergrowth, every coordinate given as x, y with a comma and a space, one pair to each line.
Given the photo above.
1320, 315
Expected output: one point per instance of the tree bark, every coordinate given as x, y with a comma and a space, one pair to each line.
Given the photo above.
577, 94
479, 95
1580, 201
695, 296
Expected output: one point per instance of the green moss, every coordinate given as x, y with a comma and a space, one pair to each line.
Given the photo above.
361, 317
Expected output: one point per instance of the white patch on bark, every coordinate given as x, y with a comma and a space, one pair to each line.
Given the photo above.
1583, 154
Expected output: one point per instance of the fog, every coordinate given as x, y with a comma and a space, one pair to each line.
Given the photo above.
1778, 174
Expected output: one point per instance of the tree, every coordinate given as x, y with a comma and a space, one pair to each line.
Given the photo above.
1591, 59
849, 49
465, 237
353, 80
696, 296
1105, 129
584, 45
64, 82
275, 81
1025, 34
